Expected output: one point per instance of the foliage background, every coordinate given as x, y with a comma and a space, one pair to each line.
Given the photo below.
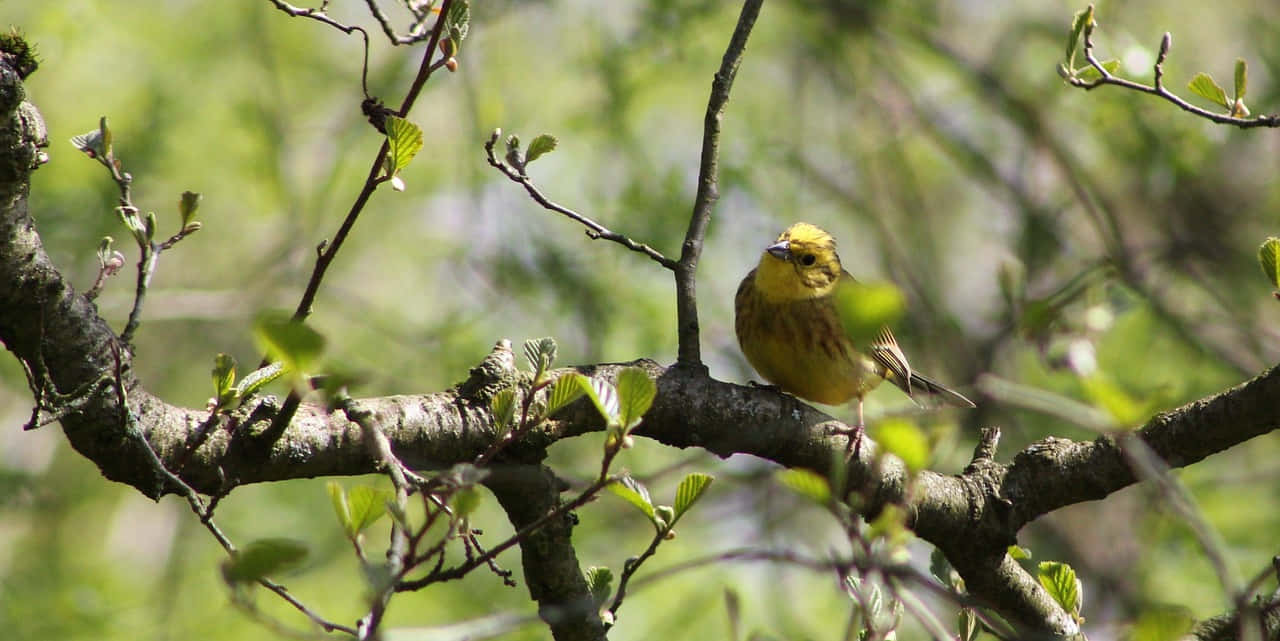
935, 142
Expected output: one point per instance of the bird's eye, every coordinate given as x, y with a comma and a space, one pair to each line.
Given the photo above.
808, 259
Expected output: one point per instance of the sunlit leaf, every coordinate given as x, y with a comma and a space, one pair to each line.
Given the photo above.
1242, 78
600, 583
636, 392
367, 505
503, 407
605, 397
543, 144
689, 491
465, 501
187, 206
567, 389
1081, 19
342, 509
1018, 552
253, 381
224, 377
1060, 581
904, 440
541, 353
1269, 259
263, 558
806, 483
865, 308
634, 493
297, 346
1090, 73
1203, 85
404, 141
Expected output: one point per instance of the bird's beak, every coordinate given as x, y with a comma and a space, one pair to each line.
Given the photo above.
781, 251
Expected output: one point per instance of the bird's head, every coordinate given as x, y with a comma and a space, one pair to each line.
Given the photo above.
801, 264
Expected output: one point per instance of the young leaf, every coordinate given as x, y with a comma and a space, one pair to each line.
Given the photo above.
1242, 78
599, 580
1204, 86
187, 206
1090, 73
605, 396
338, 497
631, 491
465, 501
255, 380
1060, 581
635, 395
404, 141
542, 145
567, 389
967, 624
367, 505
1018, 552
866, 308
503, 406
541, 353
261, 558
458, 22
224, 377
1269, 259
297, 346
1082, 18
689, 491
904, 440
806, 483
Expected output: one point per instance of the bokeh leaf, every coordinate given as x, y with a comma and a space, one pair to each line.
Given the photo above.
865, 308
904, 440
263, 558
806, 483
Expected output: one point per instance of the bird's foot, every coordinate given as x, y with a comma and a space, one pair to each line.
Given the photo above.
765, 386
854, 433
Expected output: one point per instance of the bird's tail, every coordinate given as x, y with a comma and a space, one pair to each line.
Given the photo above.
937, 392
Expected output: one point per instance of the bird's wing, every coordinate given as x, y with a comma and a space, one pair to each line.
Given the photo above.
884, 350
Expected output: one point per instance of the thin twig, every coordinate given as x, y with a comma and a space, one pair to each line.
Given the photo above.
595, 230
1158, 89
689, 352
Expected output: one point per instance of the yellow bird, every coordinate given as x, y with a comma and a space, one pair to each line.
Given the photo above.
789, 328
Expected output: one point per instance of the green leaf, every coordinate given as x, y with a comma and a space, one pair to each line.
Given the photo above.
866, 308
543, 144
631, 491
689, 491
291, 342
599, 582
605, 397
890, 525
1082, 18
404, 141
904, 440
541, 353
458, 22
367, 505
338, 497
1162, 623
967, 624
1204, 86
1090, 73
636, 392
90, 143
1269, 259
503, 407
1017, 552
1123, 409
465, 501
224, 378
255, 380
1242, 78
806, 483
187, 206
567, 389
262, 558
1060, 581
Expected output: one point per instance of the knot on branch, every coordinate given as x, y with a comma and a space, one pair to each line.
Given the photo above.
495, 373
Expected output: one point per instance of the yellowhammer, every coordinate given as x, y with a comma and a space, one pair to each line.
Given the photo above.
789, 327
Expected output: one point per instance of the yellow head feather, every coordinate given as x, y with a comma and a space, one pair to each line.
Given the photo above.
802, 264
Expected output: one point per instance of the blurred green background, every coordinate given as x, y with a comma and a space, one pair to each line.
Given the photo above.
935, 142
